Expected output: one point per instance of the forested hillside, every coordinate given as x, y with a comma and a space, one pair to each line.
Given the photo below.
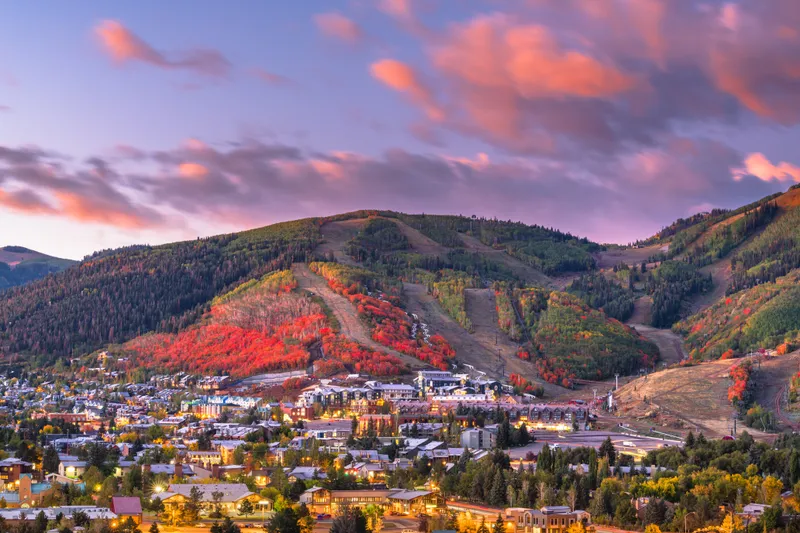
116, 296
568, 339
766, 316
20, 265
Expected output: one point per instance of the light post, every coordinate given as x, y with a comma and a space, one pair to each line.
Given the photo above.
263, 504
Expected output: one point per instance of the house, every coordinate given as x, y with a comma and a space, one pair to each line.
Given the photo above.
127, 507
415, 502
230, 496
72, 469
305, 473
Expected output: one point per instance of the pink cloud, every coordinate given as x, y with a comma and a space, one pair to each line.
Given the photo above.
124, 46
92, 209
192, 170
403, 78
757, 164
25, 201
340, 27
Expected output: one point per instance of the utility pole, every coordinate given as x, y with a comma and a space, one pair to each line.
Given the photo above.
594, 391
616, 381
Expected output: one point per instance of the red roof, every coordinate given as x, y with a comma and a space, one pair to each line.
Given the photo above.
126, 505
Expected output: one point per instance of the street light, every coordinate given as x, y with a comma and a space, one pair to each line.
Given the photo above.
263, 504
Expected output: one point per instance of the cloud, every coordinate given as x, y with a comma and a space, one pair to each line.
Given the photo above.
4, 108
40, 182
568, 78
247, 183
192, 170
340, 27
757, 164
401, 77
124, 46
25, 201
270, 77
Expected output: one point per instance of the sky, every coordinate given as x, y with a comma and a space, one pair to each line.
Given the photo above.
150, 122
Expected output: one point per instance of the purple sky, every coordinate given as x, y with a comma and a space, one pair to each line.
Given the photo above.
152, 122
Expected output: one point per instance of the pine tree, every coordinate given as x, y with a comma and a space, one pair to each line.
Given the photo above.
497, 496
499, 525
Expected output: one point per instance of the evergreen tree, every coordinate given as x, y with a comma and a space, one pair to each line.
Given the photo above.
50, 460
499, 525
608, 451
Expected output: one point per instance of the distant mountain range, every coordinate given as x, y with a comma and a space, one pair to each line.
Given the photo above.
19, 265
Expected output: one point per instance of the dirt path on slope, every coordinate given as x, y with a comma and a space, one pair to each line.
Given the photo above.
336, 234
721, 276
629, 256
642, 309
419, 242
482, 311
670, 344
476, 349
523, 271
468, 350
345, 312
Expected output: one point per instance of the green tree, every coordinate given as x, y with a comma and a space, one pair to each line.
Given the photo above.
154, 528
50, 460
625, 514
190, 511
284, 521
482, 528
499, 525
350, 520
40, 523
226, 526
608, 451
246, 508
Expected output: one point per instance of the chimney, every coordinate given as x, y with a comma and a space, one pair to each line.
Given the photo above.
146, 468
215, 471
178, 468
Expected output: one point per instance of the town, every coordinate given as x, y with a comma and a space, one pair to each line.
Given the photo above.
442, 452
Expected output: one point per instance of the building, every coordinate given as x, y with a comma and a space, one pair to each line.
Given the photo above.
127, 507
12, 468
72, 469
233, 494
432, 380
29, 493
399, 501
478, 439
15, 516
549, 519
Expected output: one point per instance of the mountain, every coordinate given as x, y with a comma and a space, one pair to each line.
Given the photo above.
115, 297
20, 265
383, 293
